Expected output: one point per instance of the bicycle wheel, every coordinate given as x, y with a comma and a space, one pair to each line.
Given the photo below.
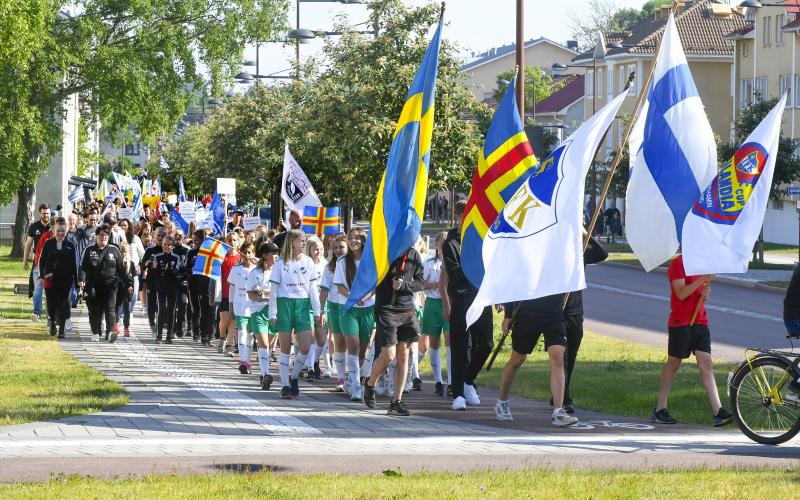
758, 415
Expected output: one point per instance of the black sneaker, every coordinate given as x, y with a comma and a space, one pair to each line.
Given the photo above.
243, 369
286, 392
723, 417
662, 416
439, 389
569, 406
398, 409
317, 372
417, 384
168, 341
295, 386
309, 375
449, 391
369, 396
266, 382
52, 330
61, 334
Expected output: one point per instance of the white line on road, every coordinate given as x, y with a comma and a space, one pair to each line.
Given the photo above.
730, 310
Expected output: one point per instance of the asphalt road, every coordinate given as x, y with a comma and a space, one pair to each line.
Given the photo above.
633, 305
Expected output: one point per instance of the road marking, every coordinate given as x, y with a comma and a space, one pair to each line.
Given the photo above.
711, 307
271, 419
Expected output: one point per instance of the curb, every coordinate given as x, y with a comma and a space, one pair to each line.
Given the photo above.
728, 281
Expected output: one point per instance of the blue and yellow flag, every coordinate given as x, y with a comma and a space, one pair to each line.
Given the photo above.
321, 220
506, 161
209, 258
400, 204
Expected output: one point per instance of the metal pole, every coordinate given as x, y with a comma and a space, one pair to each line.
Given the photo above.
258, 72
594, 107
520, 89
297, 43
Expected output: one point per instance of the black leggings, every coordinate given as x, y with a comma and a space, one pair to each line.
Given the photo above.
203, 314
124, 303
152, 304
482, 343
166, 312
574, 338
180, 314
57, 305
102, 305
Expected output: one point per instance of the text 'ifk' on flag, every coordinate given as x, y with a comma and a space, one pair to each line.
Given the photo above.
503, 165
535, 246
725, 221
209, 258
400, 204
673, 156
321, 220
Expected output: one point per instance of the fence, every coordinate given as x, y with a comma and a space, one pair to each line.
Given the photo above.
6, 233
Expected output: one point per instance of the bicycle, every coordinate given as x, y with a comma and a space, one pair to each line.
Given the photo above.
765, 408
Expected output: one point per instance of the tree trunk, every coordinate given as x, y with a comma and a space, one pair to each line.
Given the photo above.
26, 201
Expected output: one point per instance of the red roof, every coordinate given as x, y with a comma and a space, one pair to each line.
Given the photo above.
562, 97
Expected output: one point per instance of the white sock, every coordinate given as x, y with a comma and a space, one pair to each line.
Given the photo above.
263, 360
353, 366
312, 352
326, 356
414, 369
369, 357
283, 368
392, 366
421, 356
299, 362
448, 355
338, 359
436, 364
244, 347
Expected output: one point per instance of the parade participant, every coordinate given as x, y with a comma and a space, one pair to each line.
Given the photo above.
182, 251
227, 327
688, 334
200, 296
58, 274
151, 277
35, 231
101, 271
167, 266
126, 294
295, 222
72, 228
460, 293
117, 234
135, 255
791, 316
358, 324
332, 299
294, 296
397, 325
239, 281
433, 322
258, 291
536, 317
314, 251
413, 381
236, 220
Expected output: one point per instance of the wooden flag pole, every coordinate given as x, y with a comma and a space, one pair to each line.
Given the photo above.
696, 311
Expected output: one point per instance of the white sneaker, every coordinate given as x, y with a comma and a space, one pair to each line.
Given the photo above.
357, 395
459, 404
35, 317
471, 395
348, 385
502, 410
563, 419
95, 338
69, 325
327, 373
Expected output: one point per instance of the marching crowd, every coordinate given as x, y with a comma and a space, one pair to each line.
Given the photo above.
280, 298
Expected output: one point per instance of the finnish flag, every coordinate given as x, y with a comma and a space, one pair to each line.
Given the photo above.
673, 156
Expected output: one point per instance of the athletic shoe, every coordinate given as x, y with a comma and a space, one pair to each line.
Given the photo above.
449, 391
244, 369
569, 406
95, 338
204, 342
266, 382
228, 352
220, 348
459, 404
106, 337
69, 324
409, 385
317, 371
61, 334
309, 375
35, 317
127, 332
358, 394
116, 328
662, 417
339, 385
52, 329
502, 411
327, 373
295, 386
471, 395
723, 417
286, 392
168, 341
153, 329
562, 418
417, 384
439, 389
398, 409
369, 396
157, 341
113, 337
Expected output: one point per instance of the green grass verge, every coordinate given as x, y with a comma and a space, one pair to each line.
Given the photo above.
39, 381
537, 483
11, 273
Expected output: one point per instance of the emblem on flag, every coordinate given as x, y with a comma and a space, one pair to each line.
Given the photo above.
209, 258
321, 220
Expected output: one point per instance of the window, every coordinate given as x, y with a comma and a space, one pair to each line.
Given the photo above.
745, 92
132, 149
779, 21
599, 82
797, 91
745, 49
590, 84
767, 31
761, 88
786, 84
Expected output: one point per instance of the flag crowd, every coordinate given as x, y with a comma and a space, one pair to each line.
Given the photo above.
366, 307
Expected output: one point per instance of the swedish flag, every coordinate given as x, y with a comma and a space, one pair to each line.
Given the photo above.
400, 204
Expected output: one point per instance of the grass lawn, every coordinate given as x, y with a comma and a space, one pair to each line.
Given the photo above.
537, 483
40, 381
11, 273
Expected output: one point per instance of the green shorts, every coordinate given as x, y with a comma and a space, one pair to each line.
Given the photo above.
242, 322
432, 322
294, 315
259, 323
334, 317
358, 321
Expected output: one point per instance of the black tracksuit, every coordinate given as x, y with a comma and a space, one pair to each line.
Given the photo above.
61, 263
200, 294
150, 279
183, 291
124, 297
168, 271
103, 271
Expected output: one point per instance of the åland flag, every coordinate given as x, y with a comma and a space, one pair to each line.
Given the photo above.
209, 258
723, 225
400, 204
503, 166
321, 220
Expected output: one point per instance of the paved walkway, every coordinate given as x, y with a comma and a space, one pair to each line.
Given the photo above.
190, 410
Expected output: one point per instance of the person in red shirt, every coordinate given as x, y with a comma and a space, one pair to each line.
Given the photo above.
227, 327
688, 334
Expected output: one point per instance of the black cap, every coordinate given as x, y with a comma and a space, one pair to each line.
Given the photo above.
109, 219
268, 247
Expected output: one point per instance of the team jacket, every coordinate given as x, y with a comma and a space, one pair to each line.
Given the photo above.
169, 272
103, 268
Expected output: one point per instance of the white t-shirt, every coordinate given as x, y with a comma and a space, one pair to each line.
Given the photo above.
333, 290
239, 279
258, 278
294, 279
432, 269
340, 278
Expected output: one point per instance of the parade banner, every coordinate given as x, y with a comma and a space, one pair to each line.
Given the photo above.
250, 223
296, 190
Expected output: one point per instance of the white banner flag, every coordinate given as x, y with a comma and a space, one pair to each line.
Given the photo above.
296, 190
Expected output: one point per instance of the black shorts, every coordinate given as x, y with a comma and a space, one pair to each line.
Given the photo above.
526, 333
393, 327
685, 340
224, 306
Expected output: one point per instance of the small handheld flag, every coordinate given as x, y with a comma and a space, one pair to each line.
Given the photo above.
181, 190
321, 220
209, 258
296, 190
163, 163
76, 195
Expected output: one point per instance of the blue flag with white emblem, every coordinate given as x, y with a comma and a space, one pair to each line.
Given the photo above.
673, 156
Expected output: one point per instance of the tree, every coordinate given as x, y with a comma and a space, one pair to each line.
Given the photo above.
131, 63
538, 85
604, 16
